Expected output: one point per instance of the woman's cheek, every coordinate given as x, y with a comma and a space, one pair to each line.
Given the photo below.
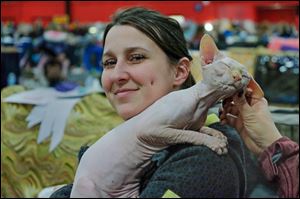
151, 80
106, 84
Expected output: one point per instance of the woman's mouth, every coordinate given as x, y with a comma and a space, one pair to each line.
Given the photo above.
124, 92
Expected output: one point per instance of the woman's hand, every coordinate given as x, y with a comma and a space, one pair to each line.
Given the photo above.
252, 119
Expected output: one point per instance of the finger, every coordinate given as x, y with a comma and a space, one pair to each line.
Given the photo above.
227, 108
241, 103
222, 113
250, 98
223, 121
249, 92
248, 95
226, 102
231, 119
234, 110
222, 117
231, 109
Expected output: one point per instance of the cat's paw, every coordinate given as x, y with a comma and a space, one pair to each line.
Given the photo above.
218, 145
214, 133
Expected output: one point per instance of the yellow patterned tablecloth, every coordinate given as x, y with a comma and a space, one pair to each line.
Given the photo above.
27, 167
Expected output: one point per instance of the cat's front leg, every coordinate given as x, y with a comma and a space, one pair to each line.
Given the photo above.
213, 132
215, 141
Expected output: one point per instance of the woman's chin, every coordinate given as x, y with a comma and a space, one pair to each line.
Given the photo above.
127, 114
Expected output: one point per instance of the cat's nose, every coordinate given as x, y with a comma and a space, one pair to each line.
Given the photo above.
236, 76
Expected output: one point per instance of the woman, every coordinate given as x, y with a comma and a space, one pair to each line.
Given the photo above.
145, 58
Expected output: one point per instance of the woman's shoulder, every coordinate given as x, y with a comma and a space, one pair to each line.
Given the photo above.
203, 153
195, 171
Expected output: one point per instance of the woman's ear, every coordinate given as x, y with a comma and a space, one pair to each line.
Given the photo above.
182, 71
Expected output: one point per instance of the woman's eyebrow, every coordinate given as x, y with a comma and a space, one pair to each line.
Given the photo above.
132, 49
108, 53
126, 50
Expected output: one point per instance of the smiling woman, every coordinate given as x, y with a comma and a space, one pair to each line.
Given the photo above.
146, 64
136, 71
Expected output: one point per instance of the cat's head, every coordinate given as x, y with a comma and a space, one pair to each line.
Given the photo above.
223, 73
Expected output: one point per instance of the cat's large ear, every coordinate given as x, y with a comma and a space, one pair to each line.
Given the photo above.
207, 49
257, 92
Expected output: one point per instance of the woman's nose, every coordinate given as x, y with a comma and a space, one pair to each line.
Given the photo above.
120, 74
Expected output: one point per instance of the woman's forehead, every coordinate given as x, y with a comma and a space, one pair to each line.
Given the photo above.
124, 31
127, 37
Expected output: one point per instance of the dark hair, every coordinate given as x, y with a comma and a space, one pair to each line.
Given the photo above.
164, 31
53, 81
53, 62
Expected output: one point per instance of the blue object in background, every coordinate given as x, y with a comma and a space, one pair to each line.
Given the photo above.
10, 70
24, 45
198, 7
11, 79
66, 86
56, 47
92, 58
289, 48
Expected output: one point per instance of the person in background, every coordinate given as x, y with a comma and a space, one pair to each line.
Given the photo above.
65, 62
278, 155
53, 72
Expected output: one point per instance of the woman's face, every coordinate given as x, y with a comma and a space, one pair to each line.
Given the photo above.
136, 71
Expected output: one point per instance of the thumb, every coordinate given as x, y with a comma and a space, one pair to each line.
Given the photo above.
241, 103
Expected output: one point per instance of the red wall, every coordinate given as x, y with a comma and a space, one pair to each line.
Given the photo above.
28, 11
90, 11
286, 14
87, 11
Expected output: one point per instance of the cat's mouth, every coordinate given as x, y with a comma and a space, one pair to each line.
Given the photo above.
245, 78
240, 83
234, 86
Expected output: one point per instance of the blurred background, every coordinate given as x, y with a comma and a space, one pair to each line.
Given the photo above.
59, 44
34, 32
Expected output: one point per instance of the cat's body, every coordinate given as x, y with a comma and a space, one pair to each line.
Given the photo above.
112, 167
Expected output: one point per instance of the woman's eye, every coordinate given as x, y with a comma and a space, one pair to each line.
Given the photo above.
136, 58
109, 63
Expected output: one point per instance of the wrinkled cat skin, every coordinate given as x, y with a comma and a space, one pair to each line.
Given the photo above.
112, 167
